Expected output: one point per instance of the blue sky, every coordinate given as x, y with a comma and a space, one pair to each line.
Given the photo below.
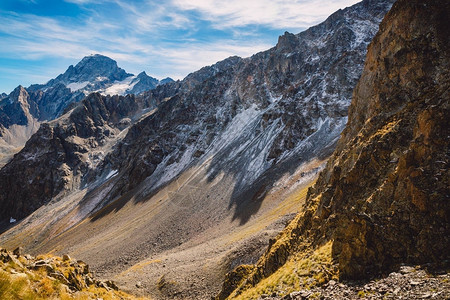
39, 39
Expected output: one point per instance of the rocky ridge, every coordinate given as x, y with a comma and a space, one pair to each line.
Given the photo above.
382, 199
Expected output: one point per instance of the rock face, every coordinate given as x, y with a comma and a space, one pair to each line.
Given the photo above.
386, 187
383, 198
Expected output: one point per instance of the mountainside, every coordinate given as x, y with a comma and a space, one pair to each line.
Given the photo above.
190, 165
383, 198
24, 109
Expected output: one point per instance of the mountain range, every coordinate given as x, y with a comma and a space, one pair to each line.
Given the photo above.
216, 176
24, 109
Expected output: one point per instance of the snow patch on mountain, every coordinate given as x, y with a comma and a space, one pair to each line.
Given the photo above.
240, 123
111, 174
75, 86
120, 87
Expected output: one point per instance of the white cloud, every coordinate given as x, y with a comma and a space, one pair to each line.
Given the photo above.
191, 57
272, 13
141, 39
41, 37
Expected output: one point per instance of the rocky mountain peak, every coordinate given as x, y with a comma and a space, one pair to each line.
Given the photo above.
143, 74
15, 109
210, 71
287, 41
166, 80
19, 94
90, 69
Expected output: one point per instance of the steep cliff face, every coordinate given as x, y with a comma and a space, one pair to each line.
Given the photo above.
386, 189
383, 198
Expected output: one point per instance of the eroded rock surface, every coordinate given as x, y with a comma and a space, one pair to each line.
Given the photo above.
383, 198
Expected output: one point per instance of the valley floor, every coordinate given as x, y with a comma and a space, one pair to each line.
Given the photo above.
177, 244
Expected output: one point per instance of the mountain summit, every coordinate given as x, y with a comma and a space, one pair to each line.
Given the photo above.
90, 69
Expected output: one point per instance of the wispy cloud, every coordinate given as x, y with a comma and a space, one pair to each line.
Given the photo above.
272, 13
41, 37
164, 38
192, 57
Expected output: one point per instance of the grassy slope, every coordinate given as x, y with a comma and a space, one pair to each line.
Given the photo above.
19, 279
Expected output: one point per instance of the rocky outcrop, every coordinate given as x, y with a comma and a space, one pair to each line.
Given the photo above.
49, 276
383, 198
386, 191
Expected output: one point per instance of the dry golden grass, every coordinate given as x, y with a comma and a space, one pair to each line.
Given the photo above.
17, 282
301, 272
